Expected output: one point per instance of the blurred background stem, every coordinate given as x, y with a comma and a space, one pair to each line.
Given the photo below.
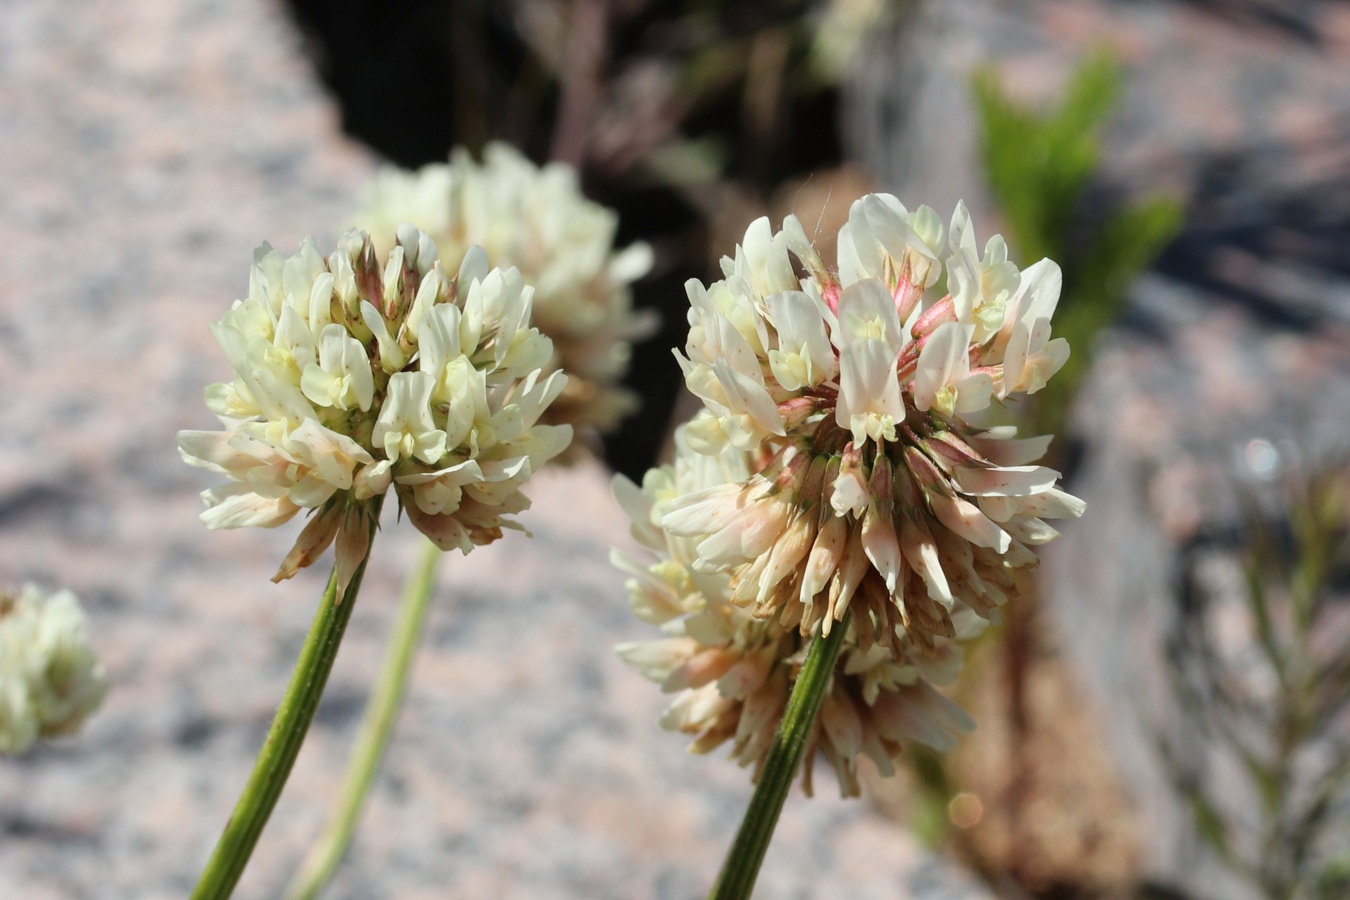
376, 727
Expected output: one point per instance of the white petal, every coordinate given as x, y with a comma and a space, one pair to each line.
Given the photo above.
1011, 481
801, 330
966, 520
880, 543
1054, 504
243, 508
474, 267
869, 392
1010, 452
961, 235
867, 310
944, 357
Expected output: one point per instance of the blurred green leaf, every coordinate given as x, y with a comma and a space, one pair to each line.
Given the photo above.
928, 817
1259, 603
1210, 824
1334, 880
1040, 166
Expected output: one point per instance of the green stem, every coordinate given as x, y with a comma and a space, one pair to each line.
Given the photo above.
287, 733
384, 704
737, 879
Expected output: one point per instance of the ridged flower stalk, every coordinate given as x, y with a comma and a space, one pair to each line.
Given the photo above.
289, 727
376, 727
741, 868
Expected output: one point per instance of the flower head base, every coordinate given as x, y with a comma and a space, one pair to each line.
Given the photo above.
732, 672
354, 373
538, 221
50, 681
856, 385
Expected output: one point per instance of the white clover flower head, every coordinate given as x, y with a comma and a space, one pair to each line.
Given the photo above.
355, 373
50, 680
731, 673
537, 220
857, 386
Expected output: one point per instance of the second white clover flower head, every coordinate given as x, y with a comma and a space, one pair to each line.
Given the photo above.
355, 373
537, 220
856, 386
50, 680
732, 673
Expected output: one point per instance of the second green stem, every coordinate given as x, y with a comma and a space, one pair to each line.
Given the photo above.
376, 727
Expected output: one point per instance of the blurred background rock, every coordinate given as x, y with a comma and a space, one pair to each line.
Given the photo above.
147, 149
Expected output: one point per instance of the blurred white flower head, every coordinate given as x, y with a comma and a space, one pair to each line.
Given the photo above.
358, 372
857, 389
537, 220
50, 680
732, 673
